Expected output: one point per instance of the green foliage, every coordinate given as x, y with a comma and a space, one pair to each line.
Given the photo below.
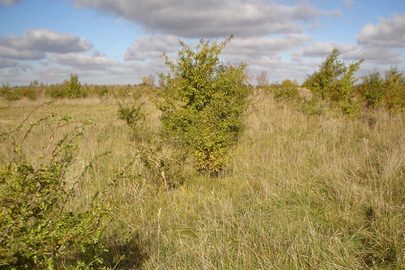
311, 107
287, 91
132, 115
57, 91
8, 94
16, 93
11, 94
102, 91
334, 81
74, 87
37, 226
204, 103
372, 90
394, 85
69, 89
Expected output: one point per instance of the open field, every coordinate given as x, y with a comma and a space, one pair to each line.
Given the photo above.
299, 191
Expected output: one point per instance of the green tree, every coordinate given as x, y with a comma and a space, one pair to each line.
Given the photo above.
334, 81
74, 87
204, 102
394, 85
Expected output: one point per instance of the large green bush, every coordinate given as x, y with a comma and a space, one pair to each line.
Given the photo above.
204, 102
38, 226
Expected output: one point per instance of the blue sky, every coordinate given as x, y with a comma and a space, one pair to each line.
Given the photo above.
119, 42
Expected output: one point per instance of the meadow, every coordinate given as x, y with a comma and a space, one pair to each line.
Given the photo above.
320, 190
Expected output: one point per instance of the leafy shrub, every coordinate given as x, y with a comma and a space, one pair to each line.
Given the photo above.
132, 115
102, 91
11, 94
74, 87
37, 227
334, 81
311, 107
286, 91
68, 89
372, 90
57, 91
204, 103
394, 85
16, 93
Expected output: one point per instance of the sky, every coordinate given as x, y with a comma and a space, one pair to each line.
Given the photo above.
121, 41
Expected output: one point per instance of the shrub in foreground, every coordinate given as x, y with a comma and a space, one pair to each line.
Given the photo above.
38, 228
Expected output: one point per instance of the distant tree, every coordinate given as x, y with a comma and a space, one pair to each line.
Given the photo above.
145, 80
5, 88
151, 80
74, 87
262, 79
162, 82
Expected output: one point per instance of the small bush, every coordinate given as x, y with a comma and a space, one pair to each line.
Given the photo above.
102, 91
11, 94
311, 107
57, 91
287, 91
133, 116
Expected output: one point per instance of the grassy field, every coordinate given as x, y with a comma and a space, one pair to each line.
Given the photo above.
299, 192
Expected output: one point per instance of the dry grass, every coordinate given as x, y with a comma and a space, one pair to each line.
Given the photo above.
300, 192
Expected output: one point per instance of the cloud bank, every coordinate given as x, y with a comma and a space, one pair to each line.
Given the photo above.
211, 18
390, 32
35, 43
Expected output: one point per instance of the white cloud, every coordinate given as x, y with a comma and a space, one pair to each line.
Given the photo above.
8, 2
258, 47
13, 53
151, 47
35, 43
211, 18
374, 55
388, 33
81, 61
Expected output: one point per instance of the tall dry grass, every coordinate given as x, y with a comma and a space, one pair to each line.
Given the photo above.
300, 192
